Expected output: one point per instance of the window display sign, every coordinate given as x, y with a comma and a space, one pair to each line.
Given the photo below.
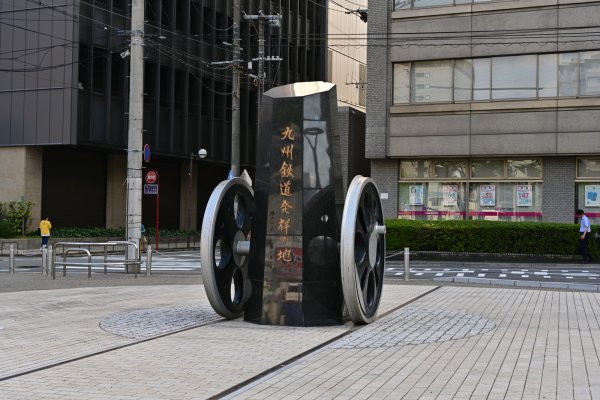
487, 195
450, 195
524, 196
591, 196
415, 195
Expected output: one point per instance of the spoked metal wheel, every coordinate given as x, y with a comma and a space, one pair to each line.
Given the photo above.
362, 250
224, 248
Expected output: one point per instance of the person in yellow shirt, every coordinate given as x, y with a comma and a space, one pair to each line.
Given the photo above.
45, 227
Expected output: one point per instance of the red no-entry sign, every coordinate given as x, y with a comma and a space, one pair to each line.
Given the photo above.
151, 176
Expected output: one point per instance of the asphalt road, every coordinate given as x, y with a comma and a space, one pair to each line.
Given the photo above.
188, 263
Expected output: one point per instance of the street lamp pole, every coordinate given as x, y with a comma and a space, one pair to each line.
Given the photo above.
202, 155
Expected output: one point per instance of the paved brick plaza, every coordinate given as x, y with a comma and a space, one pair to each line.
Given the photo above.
451, 343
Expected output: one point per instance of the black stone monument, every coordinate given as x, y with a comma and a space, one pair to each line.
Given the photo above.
294, 262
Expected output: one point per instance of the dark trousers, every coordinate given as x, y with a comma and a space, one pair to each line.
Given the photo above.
45, 240
583, 247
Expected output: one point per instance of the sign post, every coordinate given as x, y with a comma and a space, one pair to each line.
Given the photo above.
152, 187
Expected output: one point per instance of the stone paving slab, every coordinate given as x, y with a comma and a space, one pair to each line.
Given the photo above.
42, 328
544, 345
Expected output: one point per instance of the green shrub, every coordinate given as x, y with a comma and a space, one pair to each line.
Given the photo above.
15, 214
6, 230
92, 232
486, 237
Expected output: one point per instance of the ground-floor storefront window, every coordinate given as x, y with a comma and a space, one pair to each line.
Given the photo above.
588, 188
495, 189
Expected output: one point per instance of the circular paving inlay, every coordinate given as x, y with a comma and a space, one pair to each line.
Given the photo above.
411, 325
144, 324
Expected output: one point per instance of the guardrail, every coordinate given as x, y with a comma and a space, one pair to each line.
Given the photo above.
8, 244
136, 262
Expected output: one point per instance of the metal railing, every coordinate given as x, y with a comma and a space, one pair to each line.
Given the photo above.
8, 244
136, 262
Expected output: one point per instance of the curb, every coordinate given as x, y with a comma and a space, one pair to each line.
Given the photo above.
523, 284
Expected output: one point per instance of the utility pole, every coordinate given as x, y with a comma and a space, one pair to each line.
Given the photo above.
235, 100
134, 137
261, 59
274, 21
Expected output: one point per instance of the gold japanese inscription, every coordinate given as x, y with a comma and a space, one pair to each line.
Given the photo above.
288, 151
285, 206
286, 170
285, 188
284, 255
283, 225
288, 133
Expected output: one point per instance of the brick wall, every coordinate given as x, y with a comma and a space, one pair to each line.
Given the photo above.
558, 189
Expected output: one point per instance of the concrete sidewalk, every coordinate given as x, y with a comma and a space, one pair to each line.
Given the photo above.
165, 342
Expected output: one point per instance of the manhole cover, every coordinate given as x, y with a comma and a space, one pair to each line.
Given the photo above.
411, 325
143, 324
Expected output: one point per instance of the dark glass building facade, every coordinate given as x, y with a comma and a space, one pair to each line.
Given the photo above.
64, 92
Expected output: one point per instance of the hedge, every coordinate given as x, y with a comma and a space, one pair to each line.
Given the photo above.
92, 232
487, 237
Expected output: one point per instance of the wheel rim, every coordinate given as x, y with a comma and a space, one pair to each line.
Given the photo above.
227, 221
362, 250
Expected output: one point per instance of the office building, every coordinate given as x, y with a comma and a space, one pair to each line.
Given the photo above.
64, 93
485, 110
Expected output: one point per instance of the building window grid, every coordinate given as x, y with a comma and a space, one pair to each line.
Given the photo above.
465, 187
469, 176
578, 175
577, 88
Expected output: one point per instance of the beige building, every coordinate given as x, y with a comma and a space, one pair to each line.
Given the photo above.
347, 52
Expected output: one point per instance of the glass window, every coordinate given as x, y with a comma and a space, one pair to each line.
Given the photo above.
568, 67
505, 201
589, 73
463, 80
431, 81
432, 200
414, 169
514, 77
548, 75
450, 169
588, 200
524, 168
401, 83
487, 169
588, 168
431, 3
400, 4
481, 79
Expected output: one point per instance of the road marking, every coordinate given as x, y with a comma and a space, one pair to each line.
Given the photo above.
524, 276
460, 274
502, 275
480, 275
419, 274
547, 276
439, 274
569, 277
399, 273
